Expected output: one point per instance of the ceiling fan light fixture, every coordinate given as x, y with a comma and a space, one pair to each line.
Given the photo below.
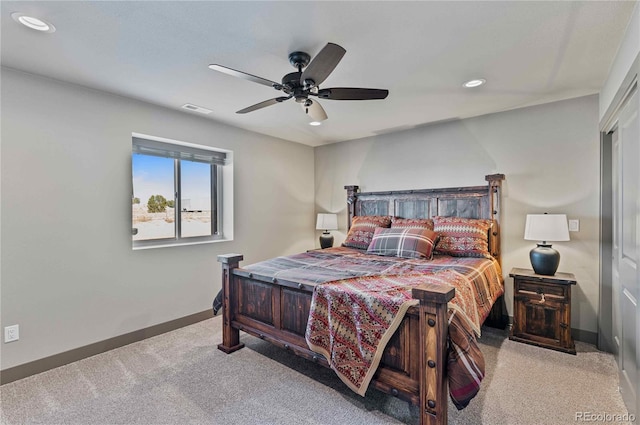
474, 83
315, 123
32, 22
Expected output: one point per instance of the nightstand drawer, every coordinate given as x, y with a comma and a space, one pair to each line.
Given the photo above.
537, 290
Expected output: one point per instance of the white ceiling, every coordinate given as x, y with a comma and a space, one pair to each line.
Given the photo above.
158, 51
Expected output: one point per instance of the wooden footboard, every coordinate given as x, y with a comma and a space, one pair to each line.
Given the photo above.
413, 366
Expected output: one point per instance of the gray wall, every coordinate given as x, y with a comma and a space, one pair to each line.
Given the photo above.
549, 154
69, 276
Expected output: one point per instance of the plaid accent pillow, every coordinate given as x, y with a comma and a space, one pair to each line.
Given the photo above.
462, 237
405, 243
362, 228
411, 223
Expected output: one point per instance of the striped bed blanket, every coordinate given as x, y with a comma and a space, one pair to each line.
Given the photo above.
359, 300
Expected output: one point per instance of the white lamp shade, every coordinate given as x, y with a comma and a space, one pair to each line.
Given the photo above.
546, 227
327, 222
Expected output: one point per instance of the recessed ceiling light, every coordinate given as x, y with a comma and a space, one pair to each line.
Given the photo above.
474, 83
315, 123
33, 23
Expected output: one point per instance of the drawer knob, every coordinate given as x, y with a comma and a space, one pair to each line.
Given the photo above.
542, 299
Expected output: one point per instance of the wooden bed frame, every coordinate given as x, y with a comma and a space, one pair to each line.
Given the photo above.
414, 362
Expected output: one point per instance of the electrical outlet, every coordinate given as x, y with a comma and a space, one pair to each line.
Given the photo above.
11, 333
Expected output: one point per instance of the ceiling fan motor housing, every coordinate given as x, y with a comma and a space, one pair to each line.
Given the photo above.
292, 80
292, 86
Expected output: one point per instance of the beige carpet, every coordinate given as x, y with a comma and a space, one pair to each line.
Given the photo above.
181, 378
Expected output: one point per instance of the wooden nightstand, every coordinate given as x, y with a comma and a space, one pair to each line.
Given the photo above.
542, 309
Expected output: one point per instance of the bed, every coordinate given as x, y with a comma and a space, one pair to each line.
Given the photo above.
425, 337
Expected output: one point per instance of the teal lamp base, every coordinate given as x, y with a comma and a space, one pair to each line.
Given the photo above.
326, 240
544, 259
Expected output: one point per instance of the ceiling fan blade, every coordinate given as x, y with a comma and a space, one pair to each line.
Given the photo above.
322, 65
263, 104
352, 93
314, 110
245, 76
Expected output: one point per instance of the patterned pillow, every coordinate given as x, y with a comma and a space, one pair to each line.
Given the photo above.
362, 228
411, 223
405, 243
462, 237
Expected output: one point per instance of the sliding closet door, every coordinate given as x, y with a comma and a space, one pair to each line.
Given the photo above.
626, 251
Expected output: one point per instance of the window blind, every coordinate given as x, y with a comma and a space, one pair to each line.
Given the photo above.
167, 150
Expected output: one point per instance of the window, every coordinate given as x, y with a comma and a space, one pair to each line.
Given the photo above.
177, 193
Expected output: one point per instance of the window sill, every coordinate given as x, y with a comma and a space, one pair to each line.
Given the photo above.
172, 244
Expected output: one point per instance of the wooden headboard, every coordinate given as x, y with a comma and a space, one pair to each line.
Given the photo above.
468, 202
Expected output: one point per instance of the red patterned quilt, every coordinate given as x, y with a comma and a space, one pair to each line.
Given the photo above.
352, 320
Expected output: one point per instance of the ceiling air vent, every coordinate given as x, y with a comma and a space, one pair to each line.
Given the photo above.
195, 108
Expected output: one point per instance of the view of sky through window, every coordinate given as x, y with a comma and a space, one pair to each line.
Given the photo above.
153, 200
152, 175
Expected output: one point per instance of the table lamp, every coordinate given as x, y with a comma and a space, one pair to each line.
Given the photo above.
326, 222
545, 228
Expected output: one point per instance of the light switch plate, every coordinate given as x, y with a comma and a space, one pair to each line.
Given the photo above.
574, 225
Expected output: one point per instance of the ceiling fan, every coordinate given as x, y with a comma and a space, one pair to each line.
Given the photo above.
300, 85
